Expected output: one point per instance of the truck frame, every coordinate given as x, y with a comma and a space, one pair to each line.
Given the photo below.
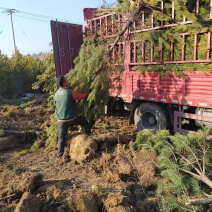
155, 101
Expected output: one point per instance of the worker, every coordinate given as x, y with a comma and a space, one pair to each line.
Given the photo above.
66, 111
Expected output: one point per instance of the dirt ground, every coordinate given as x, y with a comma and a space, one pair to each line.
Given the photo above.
112, 178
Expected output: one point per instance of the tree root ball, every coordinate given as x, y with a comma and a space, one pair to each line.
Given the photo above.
82, 148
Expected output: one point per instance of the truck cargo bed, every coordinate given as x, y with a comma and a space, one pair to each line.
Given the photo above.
193, 89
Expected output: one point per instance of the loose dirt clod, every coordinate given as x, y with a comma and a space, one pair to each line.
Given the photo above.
82, 202
29, 203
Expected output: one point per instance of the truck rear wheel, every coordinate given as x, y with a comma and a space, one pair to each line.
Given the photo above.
151, 116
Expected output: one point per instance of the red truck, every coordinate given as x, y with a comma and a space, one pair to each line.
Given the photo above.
155, 101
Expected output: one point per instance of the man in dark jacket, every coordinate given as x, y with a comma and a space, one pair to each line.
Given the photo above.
66, 111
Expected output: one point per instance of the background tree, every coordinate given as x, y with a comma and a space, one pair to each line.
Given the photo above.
4, 69
18, 73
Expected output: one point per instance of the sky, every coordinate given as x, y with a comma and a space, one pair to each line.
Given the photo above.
31, 22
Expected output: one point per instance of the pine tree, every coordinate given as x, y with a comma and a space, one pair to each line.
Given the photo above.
46, 82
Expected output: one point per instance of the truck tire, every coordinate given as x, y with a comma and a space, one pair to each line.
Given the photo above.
151, 116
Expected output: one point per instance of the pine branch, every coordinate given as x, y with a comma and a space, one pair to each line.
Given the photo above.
189, 162
200, 177
197, 161
196, 176
204, 150
171, 150
128, 24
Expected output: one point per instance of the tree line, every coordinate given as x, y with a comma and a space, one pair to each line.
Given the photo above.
18, 73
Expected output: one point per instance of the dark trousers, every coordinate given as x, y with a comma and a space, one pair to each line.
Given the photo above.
63, 128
